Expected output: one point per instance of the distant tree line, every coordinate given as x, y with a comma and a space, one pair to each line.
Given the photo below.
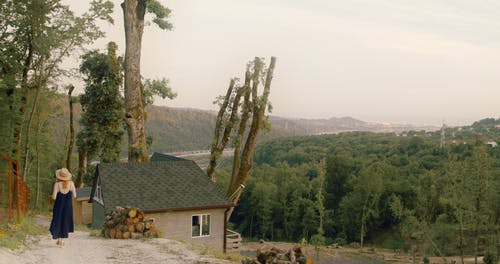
393, 191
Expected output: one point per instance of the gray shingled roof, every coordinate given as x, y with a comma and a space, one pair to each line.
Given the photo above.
164, 157
83, 192
159, 186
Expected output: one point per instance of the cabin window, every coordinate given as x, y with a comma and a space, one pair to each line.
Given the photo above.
200, 225
98, 194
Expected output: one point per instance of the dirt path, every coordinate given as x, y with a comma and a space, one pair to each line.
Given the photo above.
83, 248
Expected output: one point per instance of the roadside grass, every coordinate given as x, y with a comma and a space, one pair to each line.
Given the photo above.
13, 236
235, 257
87, 229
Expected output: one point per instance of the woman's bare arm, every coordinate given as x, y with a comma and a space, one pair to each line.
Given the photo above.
54, 192
73, 189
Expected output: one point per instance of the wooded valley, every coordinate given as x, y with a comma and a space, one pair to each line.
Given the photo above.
399, 192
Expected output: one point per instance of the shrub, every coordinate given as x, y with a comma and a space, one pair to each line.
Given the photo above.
489, 258
340, 240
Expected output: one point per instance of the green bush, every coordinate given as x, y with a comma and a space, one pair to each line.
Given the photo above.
489, 258
340, 240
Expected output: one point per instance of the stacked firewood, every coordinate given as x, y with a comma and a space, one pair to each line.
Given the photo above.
128, 223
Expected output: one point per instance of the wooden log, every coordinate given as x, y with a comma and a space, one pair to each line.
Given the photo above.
110, 223
131, 228
136, 235
135, 220
120, 210
112, 233
119, 233
139, 227
126, 235
132, 213
116, 218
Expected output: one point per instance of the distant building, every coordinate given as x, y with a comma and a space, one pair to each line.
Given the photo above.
82, 209
492, 144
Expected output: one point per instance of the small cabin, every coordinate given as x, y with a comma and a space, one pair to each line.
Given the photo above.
176, 193
82, 208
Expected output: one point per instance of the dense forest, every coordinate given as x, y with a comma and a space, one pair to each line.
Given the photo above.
399, 192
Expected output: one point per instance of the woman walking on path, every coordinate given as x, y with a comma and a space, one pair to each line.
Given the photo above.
62, 215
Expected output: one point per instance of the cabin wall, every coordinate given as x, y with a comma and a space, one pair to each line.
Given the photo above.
178, 225
82, 211
97, 215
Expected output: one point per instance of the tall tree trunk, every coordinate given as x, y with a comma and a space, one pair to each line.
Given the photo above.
363, 224
37, 156
71, 128
28, 132
436, 248
216, 149
461, 241
133, 14
245, 116
18, 128
220, 141
476, 227
497, 240
251, 225
82, 166
258, 111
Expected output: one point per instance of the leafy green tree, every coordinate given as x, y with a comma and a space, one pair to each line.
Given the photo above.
319, 239
33, 47
48, 149
102, 104
338, 171
362, 202
457, 197
468, 192
480, 181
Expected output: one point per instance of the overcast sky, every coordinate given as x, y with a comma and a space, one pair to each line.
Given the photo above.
404, 61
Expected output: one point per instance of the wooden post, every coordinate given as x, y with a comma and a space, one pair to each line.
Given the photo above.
11, 194
21, 189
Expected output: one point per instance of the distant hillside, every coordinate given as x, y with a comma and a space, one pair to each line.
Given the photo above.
184, 129
179, 129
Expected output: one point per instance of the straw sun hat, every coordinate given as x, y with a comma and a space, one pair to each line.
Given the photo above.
63, 174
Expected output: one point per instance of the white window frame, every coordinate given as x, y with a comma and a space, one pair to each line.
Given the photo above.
98, 195
200, 219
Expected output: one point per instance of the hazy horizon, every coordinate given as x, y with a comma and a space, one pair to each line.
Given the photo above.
424, 62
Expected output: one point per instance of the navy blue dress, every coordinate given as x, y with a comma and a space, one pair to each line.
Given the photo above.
62, 216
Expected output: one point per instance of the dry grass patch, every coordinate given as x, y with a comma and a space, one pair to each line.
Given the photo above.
14, 236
